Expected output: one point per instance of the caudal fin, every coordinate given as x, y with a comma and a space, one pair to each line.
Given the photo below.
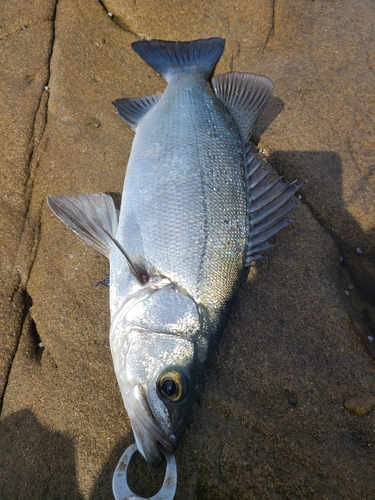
169, 57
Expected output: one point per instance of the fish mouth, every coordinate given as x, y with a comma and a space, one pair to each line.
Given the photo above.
147, 433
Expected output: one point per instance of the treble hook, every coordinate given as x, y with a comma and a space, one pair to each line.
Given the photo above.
120, 488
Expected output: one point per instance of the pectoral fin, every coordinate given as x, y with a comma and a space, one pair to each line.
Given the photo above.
95, 219
92, 216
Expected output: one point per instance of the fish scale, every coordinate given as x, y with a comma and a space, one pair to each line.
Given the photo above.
200, 176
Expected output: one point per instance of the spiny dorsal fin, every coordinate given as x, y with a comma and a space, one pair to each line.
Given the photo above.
91, 216
245, 96
168, 58
132, 110
268, 202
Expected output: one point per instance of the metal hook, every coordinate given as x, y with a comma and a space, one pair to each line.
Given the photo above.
120, 488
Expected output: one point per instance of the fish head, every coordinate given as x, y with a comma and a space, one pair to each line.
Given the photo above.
158, 391
158, 363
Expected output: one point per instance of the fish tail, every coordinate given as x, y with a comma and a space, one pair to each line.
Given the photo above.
167, 58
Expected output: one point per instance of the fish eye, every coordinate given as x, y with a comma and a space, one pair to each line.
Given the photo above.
170, 385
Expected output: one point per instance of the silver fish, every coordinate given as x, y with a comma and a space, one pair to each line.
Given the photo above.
197, 208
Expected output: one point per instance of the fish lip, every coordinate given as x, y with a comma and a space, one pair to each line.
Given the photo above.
147, 432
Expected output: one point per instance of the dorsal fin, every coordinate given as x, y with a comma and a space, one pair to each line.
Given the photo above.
168, 58
132, 110
245, 96
268, 202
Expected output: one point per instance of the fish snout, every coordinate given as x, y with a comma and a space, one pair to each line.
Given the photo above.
148, 434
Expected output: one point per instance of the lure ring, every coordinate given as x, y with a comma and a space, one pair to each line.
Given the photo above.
121, 489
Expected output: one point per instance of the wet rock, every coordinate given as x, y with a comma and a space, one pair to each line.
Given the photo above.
26, 33
289, 334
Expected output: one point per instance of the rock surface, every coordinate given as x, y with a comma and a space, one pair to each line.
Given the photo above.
285, 409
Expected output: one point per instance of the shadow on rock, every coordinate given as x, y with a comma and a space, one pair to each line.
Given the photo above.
272, 110
103, 485
324, 195
37, 462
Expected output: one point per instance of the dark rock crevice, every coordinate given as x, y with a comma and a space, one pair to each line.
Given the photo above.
19, 30
27, 327
30, 228
118, 21
271, 30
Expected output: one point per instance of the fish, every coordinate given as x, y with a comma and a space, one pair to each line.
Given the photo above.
197, 209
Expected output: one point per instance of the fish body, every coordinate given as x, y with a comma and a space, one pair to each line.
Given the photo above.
197, 207
184, 192
184, 203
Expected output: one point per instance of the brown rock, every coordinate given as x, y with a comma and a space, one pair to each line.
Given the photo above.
26, 35
360, 405
289, 335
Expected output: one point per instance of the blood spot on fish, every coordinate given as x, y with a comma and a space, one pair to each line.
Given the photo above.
144, 277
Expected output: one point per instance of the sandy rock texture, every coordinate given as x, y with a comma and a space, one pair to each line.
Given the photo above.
287, 407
